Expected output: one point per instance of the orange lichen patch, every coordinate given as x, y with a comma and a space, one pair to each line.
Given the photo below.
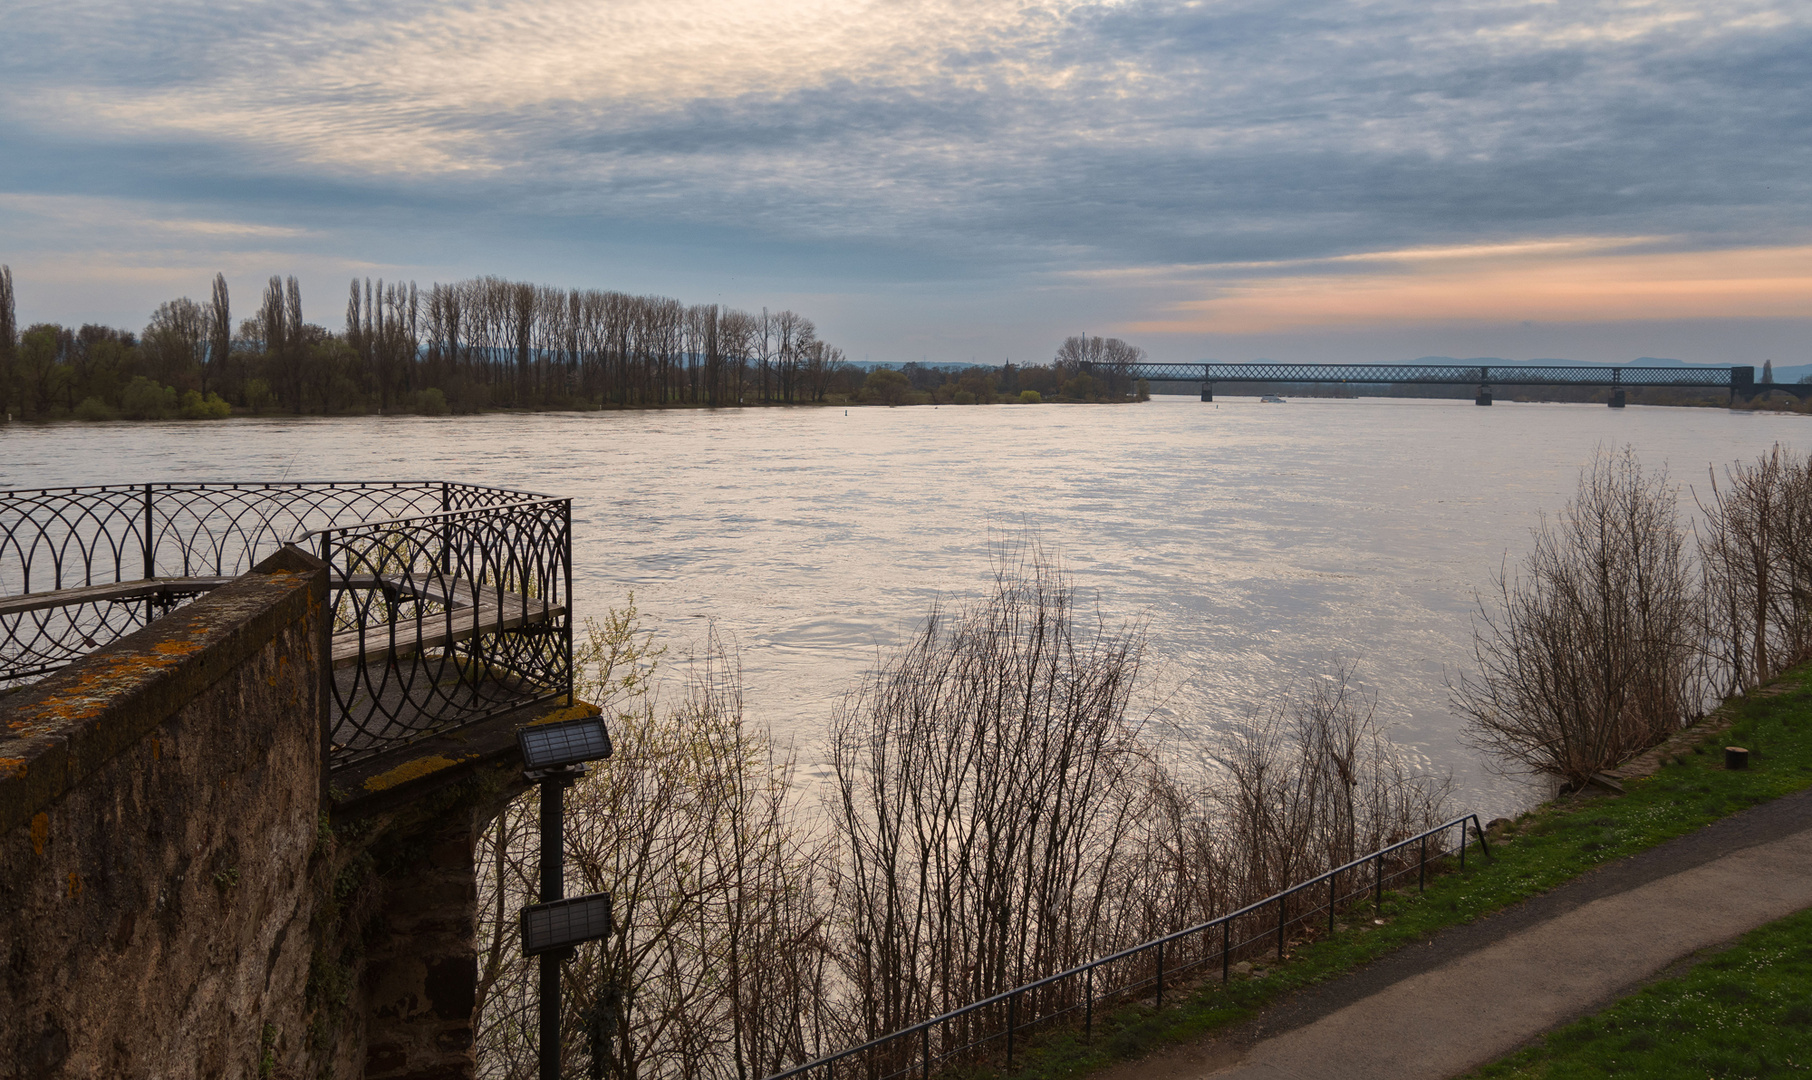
410, 770
12, 768
177, 648
75, 885
157, 748
578, 710
40, 833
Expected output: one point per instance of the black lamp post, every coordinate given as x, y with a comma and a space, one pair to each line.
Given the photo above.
556, 756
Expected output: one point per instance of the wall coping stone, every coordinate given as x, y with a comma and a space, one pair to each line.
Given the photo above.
57, 732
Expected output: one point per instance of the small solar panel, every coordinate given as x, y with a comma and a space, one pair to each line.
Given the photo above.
569, 742
563, 923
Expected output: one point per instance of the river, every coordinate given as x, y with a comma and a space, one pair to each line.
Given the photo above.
1260, 544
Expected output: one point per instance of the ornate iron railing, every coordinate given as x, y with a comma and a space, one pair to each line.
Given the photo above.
450, 601
993, 1026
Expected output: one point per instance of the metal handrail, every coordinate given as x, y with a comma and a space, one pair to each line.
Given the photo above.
1010, 997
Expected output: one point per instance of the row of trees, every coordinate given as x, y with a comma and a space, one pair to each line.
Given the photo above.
482, 344
995, 812
1622, 625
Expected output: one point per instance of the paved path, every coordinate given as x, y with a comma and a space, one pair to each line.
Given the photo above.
1474, 993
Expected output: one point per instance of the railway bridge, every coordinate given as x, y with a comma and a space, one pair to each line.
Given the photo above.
1739, 381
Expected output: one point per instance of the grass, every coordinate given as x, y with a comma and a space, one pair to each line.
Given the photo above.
1744, 1012
1541, 849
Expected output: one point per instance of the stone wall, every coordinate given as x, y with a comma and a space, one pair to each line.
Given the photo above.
161, 814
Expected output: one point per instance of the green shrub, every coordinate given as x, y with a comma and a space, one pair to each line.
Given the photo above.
212, 407
258, 396
963, 397
1030, 397
145, 400
93, 408
430, 402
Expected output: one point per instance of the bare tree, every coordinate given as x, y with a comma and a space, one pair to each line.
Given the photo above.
9, 339
1756, 549
718, 968
220, 336
1591, 652
988, 783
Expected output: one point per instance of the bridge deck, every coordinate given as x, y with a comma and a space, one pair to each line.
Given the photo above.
1736, 378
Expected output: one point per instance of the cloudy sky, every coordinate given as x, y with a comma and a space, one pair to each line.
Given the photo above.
1323, 179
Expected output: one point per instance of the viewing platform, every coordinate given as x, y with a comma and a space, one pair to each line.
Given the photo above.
450, 602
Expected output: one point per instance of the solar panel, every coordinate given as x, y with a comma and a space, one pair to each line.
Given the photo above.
564, 923
569, 742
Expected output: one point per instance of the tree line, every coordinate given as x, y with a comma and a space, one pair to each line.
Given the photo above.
479, 345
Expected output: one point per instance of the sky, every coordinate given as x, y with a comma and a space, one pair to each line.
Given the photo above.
1322, 180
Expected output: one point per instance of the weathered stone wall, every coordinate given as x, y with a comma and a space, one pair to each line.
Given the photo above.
160, 804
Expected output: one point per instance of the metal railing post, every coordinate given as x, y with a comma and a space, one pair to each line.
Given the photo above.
1462, 844
1088, 1008
1333, 881
566, 601
1226, 950
1378, 885
1012, 1021
925, 1053
1422, 869
150, 544
1160, 975
1280, 926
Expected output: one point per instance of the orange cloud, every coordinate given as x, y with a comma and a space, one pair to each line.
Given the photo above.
1545, 281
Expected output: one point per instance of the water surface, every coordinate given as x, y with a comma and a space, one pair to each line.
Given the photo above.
1259, 544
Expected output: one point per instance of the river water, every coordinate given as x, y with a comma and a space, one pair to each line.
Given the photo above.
1260, 544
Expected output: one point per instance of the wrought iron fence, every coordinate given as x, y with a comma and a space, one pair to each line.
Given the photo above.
450, 600
999, 1024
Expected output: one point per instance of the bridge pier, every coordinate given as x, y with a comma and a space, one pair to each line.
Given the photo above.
1617, 400
1207, 391
1484, 397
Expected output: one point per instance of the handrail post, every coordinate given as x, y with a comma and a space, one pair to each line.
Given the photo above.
1378, 884
1012, 1020
1160, 975
1088, 1008
1484, 845
1333, 880
1422, 870
150, 545
1280, 925
1226, 950
925, 1052
1462, 843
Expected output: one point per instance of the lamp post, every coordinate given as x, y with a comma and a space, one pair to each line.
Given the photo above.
556, 756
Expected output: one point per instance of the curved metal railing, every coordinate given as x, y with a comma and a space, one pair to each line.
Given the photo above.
450, 600
974, 1031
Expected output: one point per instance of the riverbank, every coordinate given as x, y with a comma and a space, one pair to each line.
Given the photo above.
1555, 843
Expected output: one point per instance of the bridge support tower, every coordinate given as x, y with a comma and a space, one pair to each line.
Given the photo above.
1617, 399
1484, 397
1207, 390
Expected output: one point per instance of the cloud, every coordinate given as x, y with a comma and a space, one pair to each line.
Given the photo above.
1570, 280
1011, 143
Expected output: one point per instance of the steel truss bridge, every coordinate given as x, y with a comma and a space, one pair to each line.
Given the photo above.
1739, 381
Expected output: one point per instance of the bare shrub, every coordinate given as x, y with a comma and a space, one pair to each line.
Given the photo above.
1591, 653
1313, 784
1756, 550
717, 968
989, 788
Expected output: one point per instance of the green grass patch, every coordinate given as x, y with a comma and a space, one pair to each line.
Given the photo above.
1543, 848
1744, 1012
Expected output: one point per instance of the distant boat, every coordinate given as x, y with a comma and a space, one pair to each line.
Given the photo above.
1273, 399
